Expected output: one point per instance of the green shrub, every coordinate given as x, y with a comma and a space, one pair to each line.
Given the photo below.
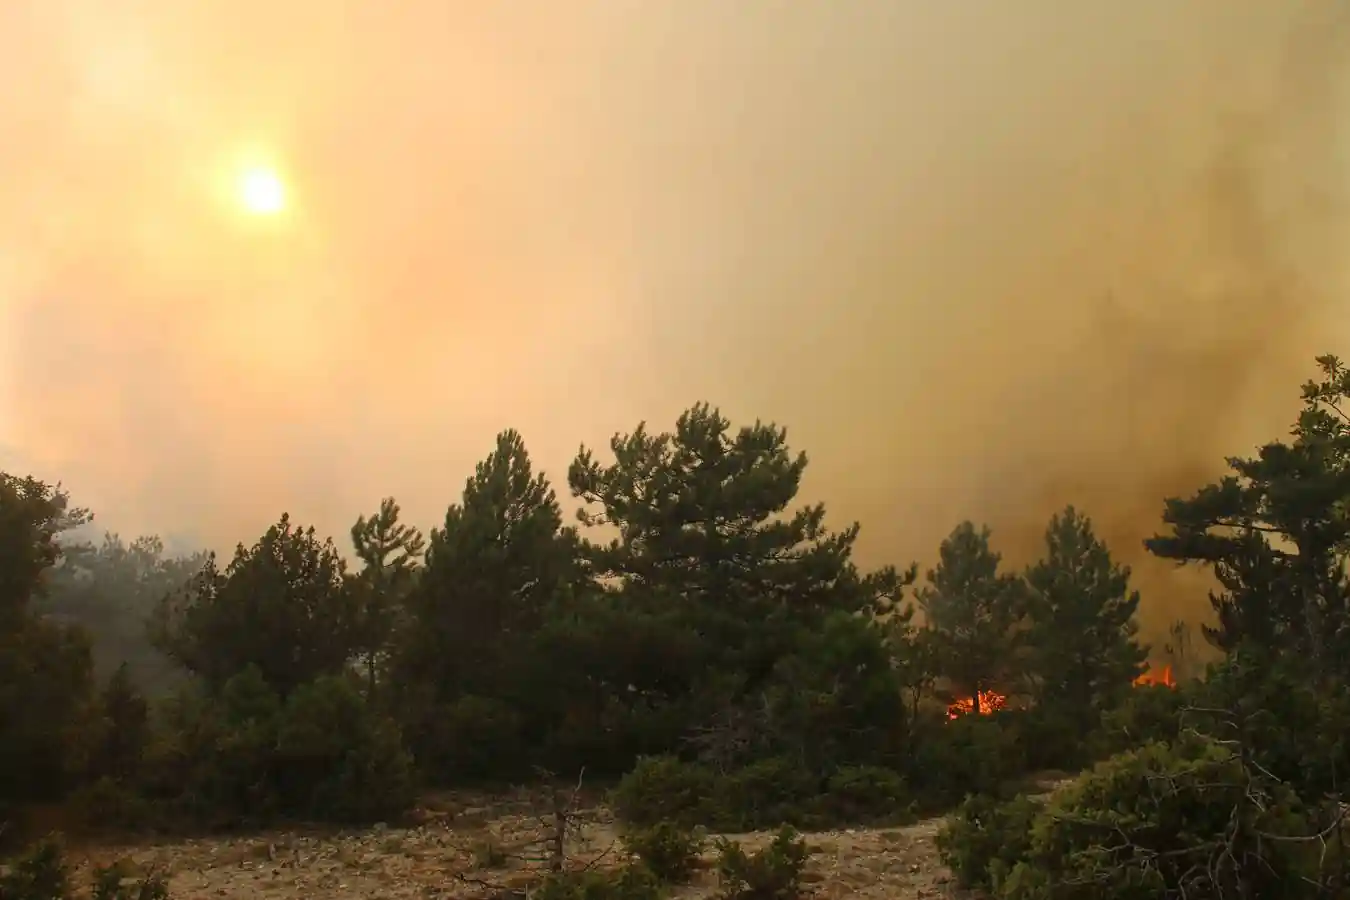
764, 794
773, 873
338, 759
472, 739
1166, 821
969, 755
1151, 713
41, 873
120, 730
1052, 738
664, 789
1293, 719
179, 755
246, 756
633, 882
116, 882
866, 795
233, 771
109, 804
669, 851
985, 838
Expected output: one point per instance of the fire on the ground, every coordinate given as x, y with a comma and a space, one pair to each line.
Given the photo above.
991, 701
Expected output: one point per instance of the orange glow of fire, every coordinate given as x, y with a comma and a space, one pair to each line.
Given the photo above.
990, 702
1162, 676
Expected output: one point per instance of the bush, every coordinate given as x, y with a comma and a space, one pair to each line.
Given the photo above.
120, 730
116, 882
664, 789
1151, 713
180, 769
669, 851
108, 804
472, 739
45, 680
773, 873
246, 756
339, 759
986, 838
969, 755
233, 772
629, 883
41, 873
866, 795
764, 794
1293, 718
1050, 738
1166, 821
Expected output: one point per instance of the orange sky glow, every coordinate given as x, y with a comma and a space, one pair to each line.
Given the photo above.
982, 258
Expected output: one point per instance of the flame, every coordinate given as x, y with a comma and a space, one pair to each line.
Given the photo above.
990, 702
1162, 676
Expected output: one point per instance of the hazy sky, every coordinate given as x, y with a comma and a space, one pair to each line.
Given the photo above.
981, 258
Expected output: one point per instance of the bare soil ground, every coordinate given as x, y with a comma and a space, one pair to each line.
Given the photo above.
443, 857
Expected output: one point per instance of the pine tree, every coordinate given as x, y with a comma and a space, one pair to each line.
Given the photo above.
1081, 617
45, 666
974, 612
33, 515
390, 552
281, 605
1276, 534
499, 562
703, 516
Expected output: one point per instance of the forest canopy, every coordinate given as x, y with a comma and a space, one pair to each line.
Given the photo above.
705, 639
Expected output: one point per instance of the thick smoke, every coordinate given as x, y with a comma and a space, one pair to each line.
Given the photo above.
983, 258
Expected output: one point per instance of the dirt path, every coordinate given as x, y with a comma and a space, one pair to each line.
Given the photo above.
421, 862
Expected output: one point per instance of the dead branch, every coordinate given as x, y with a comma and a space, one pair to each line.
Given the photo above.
547, 854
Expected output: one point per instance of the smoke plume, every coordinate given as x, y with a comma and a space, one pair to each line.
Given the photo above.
982, 258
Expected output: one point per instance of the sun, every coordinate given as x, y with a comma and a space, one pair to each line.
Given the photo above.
261, 191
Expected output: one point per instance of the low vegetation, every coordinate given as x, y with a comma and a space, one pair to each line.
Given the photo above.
42, 873
719, 659
669, 852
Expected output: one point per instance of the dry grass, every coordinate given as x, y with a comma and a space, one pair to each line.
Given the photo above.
443, 857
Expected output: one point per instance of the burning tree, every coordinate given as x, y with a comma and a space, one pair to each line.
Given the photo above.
1162, 677
973, 611
985, 703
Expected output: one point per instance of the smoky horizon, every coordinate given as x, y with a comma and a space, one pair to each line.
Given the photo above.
980, 261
